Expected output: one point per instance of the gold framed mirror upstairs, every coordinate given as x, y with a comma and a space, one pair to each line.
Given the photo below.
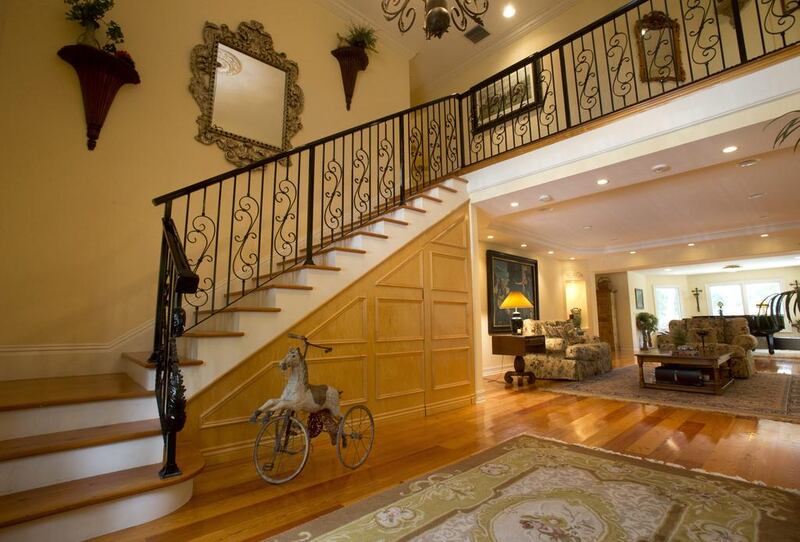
249, 99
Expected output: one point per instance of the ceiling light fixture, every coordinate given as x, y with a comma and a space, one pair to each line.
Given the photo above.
523, 245
602, 182
632, 252
514, 204
764, 235
509, 11
490, 236
572, 258
551, 252
748, 163
660, 168
730, 149
587, 227
667, 270
690, 245
763, 217
757, 195
544, 198
437, 14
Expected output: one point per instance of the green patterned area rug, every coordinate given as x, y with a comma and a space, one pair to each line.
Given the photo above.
763, 395
538, 490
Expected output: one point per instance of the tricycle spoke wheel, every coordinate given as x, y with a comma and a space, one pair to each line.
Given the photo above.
281, 449
355, 438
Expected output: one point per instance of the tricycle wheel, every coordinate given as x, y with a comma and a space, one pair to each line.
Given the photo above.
281, 449
355, 438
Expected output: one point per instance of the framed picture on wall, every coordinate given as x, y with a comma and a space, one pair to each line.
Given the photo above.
512, 92
639, 295
506, 273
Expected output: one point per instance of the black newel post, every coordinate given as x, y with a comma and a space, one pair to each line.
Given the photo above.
310, 210
162, 282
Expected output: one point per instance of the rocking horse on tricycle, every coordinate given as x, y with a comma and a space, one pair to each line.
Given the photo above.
282, 445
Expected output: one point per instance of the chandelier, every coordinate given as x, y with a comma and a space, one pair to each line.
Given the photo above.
437, 15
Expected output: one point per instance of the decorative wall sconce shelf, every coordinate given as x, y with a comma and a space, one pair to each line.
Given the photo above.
351, 61
101, 75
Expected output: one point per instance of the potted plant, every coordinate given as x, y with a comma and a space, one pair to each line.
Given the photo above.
101, 70
352, 55
646, 323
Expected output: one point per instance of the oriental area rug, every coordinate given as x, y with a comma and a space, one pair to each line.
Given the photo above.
763, 395
532, 489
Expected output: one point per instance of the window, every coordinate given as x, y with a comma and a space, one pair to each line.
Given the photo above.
740, 297
730, 295
668, 305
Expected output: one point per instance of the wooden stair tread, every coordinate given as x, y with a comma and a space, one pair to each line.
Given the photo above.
43, 392
78, 438
459, 179
445, 187
213, 334
272, 287
45, 501
342, 249
143, 359
366, 234
244, 309
412, 208
388, 219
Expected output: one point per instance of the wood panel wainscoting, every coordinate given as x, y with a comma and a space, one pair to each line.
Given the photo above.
401, 337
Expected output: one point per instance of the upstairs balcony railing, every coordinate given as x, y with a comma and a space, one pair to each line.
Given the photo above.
239, 231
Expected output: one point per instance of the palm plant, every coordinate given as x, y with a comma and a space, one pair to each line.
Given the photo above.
788, 130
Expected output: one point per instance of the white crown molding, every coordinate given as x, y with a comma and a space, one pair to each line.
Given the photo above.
519, 31
531, 237
346, 11
79, 347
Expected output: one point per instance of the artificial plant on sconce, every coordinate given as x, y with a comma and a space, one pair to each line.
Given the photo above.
352, 56
101, 70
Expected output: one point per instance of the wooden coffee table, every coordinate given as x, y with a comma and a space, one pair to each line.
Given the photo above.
719, 367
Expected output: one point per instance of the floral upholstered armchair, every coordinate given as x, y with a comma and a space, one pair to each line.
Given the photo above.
723, 335
569, 355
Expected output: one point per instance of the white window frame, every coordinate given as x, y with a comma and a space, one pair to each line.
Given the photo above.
742, 288
680, 301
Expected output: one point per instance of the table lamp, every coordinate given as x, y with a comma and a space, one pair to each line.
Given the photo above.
516, 301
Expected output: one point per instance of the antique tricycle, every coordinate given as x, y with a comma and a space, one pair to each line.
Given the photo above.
283, 442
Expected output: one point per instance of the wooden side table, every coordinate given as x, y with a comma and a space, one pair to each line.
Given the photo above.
518, 346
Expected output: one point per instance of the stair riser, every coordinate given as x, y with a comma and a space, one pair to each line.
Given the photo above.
92, 521
38, 421
224, 321
342, 259
146, 378
366, 243
47, 469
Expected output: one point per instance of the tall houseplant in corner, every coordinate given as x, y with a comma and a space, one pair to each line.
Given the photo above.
352, 56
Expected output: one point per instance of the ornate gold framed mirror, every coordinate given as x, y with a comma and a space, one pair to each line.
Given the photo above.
249, 99
659, 44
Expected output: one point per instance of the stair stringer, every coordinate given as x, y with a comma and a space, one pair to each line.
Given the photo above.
221, 355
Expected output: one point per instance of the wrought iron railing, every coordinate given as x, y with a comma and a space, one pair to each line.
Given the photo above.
242, 229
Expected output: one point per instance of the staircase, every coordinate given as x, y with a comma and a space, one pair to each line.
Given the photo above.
79, 456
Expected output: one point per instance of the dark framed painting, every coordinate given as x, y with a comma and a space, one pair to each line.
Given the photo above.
638, 293
512, 92
506, 273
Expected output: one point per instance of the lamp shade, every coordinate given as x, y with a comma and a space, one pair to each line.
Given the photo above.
515, 300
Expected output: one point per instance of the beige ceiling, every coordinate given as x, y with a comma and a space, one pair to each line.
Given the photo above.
641, 209
436, 58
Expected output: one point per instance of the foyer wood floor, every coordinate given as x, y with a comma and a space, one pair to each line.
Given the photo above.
232, 504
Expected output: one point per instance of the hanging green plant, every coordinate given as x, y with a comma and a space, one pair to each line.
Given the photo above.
90, 14
360, 35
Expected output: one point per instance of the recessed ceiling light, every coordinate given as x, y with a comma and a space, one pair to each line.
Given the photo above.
572, 258
748, 163
660, 168
602, 182
587, 227
690, 245
764, 217
509, 11
615, 238
757, 195
544, 198
514, 204
523, 245
490, 236
764, 235
730, 149
667, 270
551, 252
632, 252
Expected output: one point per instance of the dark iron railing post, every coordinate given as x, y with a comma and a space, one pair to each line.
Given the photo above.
162, 282
737, 24
310, 210
402, 159
564, 87
462, 130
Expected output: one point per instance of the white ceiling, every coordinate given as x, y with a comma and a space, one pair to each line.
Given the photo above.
436, 58
704, 196
750, 264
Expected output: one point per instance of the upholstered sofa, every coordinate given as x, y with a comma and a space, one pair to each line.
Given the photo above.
569, 355
729, 334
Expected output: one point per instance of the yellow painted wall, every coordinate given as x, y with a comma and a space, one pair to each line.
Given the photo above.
79, 235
